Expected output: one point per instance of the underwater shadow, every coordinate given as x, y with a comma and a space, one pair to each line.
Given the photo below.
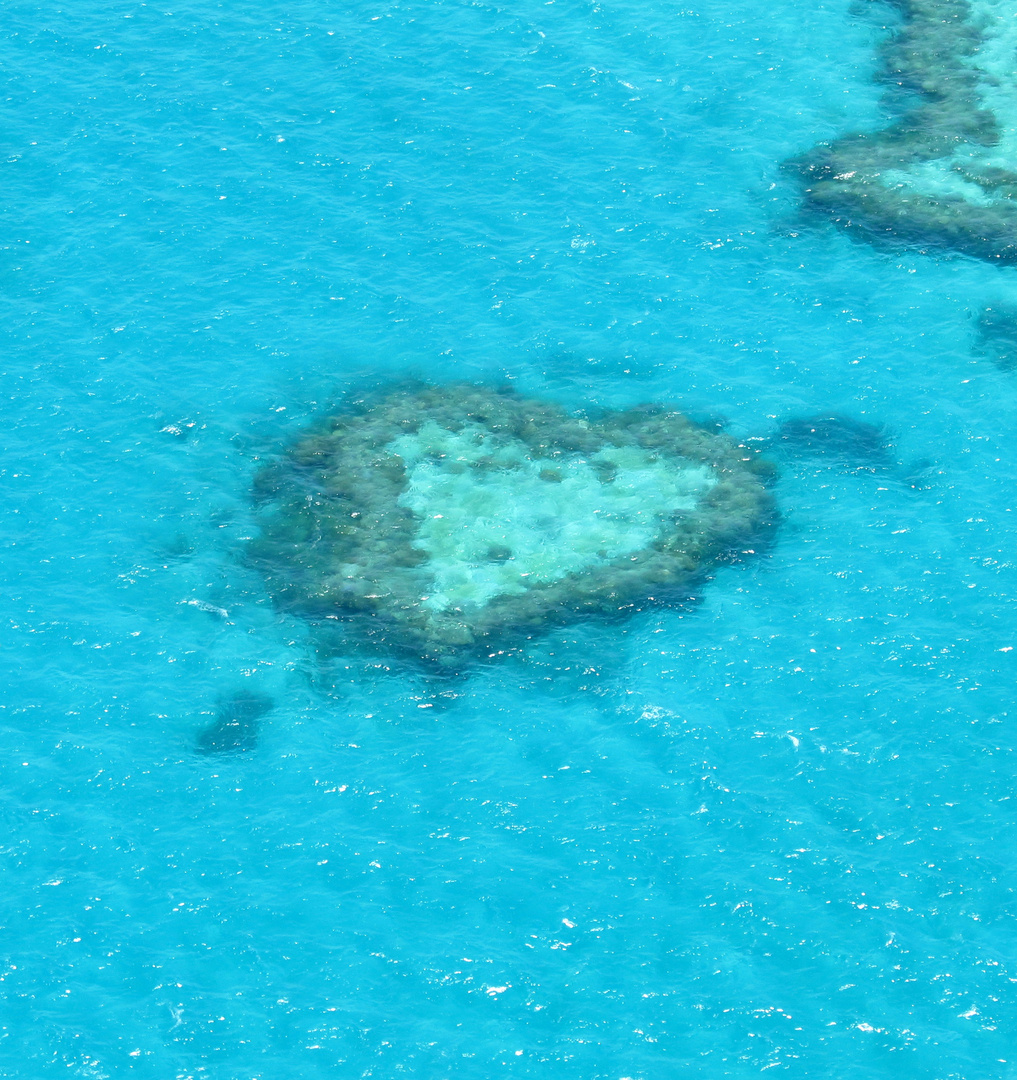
237, 725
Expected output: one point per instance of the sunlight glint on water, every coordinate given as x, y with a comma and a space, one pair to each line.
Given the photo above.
767, 830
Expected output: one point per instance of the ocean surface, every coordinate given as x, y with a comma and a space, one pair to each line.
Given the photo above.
771, 829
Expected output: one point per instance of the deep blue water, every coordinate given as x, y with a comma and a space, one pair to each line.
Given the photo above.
771, 830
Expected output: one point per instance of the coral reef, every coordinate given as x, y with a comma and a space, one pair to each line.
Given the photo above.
946, 173
441, 518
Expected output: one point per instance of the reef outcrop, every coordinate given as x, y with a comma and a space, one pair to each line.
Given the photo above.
442, 518
945, 174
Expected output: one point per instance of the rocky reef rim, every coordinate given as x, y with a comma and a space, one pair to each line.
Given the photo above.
347, 540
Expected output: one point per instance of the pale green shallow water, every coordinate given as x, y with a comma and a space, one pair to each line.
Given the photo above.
767, 832
552, 528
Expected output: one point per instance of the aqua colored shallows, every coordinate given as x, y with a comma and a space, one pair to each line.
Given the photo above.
766, 832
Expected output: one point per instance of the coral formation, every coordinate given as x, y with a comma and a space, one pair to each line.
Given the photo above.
446, 516
946, 173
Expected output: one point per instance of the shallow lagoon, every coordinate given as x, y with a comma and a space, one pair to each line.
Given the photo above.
766, 829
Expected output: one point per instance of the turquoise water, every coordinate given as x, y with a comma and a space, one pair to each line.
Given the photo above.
772, 829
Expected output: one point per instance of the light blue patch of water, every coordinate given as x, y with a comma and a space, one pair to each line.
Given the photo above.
768, 830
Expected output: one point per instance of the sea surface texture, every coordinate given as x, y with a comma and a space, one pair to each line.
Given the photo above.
768, 828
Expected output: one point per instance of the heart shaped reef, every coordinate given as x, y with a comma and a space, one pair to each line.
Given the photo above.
450, 515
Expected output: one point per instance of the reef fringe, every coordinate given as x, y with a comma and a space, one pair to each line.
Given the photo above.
945, 174
442, 518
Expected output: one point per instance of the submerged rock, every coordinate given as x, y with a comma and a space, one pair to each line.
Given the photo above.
438, 518
946, 172
852, 441
237, 725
